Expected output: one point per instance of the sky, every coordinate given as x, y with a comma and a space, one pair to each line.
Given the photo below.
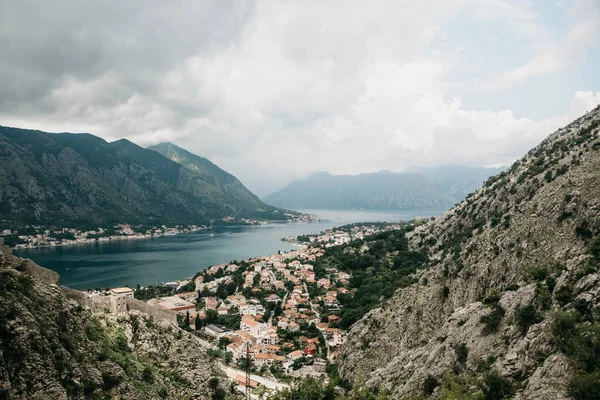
272, 91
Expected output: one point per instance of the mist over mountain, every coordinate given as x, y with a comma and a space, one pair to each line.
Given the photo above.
81, 180
417, 188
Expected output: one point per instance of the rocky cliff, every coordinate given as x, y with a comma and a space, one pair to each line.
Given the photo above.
53, 348
508, 305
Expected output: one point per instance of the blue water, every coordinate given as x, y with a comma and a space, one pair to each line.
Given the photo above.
153, 261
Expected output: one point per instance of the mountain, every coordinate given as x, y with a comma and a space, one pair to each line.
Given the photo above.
436, 188
506, 303
52, 347
223, 187
80, 180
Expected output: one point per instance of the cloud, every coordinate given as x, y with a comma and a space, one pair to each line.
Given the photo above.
568, 50
274, 90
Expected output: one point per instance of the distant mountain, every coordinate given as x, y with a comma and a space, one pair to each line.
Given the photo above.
80, 180
435, 188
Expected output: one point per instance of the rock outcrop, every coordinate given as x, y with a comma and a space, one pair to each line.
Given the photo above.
505, 263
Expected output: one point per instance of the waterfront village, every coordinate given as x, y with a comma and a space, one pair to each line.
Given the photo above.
37, 236
277, 315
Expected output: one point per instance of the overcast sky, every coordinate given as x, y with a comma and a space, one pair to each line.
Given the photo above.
275, 90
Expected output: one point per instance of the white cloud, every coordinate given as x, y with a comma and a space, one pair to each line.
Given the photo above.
281, 89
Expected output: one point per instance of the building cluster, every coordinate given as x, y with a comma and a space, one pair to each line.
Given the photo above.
70, 236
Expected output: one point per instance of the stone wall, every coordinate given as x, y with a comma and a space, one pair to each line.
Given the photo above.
40, 273
117, 305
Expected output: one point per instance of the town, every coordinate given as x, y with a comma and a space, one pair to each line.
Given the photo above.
38, 236
275, 315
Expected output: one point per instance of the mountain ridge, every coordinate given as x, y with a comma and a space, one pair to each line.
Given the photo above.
69, 180
424, 189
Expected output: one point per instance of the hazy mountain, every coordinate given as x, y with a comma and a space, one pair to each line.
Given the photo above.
435, 188
81, 180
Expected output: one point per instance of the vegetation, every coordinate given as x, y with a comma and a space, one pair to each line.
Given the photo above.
379, 265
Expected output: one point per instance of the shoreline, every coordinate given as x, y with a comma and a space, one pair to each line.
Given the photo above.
108, 239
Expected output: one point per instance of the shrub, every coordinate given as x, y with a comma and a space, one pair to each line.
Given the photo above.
109, 380
462, 352
492, 298
492, 320
497, 387
148, 375
525, 316
584, 386
429, 385
445, 292
564, 295
551, 283
595, 248
538, 273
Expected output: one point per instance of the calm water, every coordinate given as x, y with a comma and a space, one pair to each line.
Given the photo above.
151, 261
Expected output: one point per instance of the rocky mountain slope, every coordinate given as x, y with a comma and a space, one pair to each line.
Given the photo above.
509, 303
222, 186
81, 180
436, 188
52, 348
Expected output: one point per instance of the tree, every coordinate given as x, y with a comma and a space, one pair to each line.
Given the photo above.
277, 311
211, 316
186, 321
198, 324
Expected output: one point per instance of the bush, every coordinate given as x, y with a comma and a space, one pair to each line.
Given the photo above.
429, 385
462, 352
497, 387
525, 316
492, 321
595, 249
564, 295
584, 386
445, 292
148, 375
109, 380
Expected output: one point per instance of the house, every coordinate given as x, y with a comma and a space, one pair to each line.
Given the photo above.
267, 359
253, 327
252, 309
211, 303
310, 350
295, 354
270, 338
173, 303
343, 275
272, 298
272, 349
334, 336
322, 326
283, 323
293, 327
188, 296
331, 302
217, 330
122, 292
323, 283
333, 318
237, 349
222, 310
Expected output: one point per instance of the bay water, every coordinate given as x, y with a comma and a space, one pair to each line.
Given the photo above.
158, 260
